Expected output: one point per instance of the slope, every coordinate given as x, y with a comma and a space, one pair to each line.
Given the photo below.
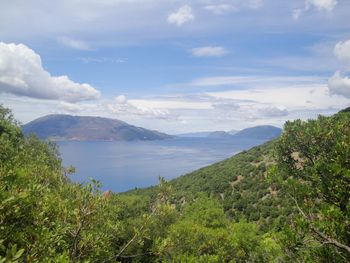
241, 185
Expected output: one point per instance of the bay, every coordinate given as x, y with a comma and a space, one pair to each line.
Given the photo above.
121, 166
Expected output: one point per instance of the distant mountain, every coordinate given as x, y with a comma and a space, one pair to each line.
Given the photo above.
219, 134
232, 132
265, 132
85, 128
194, 134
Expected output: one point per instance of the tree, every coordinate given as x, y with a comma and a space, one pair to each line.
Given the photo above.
314, 163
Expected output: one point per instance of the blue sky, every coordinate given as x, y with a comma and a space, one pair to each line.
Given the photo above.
176, 66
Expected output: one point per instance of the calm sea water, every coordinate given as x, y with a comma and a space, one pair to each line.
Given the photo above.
121, 166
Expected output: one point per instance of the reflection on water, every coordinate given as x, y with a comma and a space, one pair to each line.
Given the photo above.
121, 166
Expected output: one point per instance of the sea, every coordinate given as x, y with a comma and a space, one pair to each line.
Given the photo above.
122, 166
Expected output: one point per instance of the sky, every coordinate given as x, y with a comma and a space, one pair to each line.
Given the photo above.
176, 66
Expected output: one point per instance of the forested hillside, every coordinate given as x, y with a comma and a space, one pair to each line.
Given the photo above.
284, 201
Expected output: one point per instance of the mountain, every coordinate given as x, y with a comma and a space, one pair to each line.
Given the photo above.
85, 128
219, 134
194, 135
264, 132
232, 132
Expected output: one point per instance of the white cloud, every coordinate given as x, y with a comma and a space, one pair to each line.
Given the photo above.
342, 50
254, 80
339, 85
102, 60
74, 43
274, 111
70, 107
226, 105
107, 23
21, 73
297, 13
172, 104
220, 80
320, 5
121, 99
122, 106
292, 97
227, 6
327, 5
225, 110
209, 51
181, 16
220, 8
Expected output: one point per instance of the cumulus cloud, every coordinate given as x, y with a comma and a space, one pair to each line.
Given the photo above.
339, 85
21, 73
122, 106
74, 43
342, 50
320, 5
121, 99
182, 16
209, 51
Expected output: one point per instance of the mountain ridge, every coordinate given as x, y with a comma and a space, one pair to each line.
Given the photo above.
85, 128
268, 132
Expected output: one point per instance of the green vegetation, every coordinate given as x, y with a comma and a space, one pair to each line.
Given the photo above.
283, 201
314, 171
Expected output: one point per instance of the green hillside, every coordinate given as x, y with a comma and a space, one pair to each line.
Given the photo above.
241, 185
284, 201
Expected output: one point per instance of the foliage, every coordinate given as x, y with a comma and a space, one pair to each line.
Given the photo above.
287, 199
314, 168
203, 234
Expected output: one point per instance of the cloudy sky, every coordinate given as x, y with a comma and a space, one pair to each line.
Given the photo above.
176, 66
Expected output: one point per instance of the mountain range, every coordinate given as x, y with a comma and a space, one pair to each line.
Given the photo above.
264, 132
89, 128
